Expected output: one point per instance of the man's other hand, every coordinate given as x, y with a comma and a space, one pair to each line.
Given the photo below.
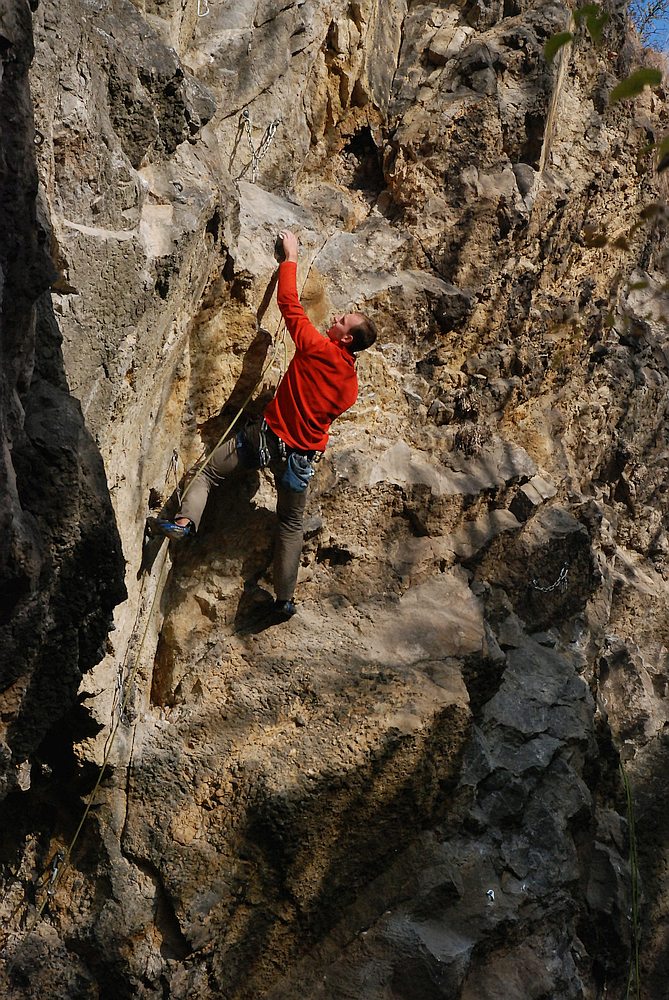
290, 245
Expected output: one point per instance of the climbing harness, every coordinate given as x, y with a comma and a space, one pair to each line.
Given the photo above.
299, 465
264, 454
266, 141
560, 583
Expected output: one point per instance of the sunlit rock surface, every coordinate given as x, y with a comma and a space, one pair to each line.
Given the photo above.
412, 790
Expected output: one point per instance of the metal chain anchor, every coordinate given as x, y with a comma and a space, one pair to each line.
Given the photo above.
560, 583
265, 142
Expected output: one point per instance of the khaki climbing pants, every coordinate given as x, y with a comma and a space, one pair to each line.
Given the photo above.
237, 455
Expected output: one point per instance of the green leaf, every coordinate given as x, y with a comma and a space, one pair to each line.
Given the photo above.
594, 18
596, 26
663, 155
581, 14
555, 43
634, 84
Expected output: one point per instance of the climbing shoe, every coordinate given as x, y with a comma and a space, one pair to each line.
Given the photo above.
169, 529
283, 610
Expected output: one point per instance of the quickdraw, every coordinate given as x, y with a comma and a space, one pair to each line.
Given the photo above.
119, 695
174, 467
55, 865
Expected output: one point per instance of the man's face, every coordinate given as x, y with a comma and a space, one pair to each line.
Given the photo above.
340, 331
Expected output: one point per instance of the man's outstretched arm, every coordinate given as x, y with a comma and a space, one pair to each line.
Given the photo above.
299, 326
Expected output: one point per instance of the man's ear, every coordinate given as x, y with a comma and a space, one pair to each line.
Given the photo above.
346, 338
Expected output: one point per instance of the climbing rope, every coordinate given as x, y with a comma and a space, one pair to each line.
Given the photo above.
205, 458
67, 854
62, 858
633, 991
266, 141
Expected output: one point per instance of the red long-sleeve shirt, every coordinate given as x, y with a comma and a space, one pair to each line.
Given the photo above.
320, 383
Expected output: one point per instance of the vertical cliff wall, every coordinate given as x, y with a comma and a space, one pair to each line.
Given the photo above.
413, 790
62, 571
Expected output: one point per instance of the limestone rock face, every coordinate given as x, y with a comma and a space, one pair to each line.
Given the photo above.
412, 790
60, 561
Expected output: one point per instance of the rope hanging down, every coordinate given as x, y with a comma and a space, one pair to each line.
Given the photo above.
121, 716
265, 142
62, 858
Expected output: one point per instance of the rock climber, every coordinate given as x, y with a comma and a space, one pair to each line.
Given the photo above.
319, 385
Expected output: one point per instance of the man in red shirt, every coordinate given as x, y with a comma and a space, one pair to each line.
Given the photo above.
319, 385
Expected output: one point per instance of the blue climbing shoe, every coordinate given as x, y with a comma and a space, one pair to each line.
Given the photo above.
169, 529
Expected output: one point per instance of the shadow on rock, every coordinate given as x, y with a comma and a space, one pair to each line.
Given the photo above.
62, 552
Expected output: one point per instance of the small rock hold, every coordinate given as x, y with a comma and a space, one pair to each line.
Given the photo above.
530, 496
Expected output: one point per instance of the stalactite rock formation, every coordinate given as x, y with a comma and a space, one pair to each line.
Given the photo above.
412, 790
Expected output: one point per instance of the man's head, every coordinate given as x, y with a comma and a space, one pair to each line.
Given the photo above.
355, 331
